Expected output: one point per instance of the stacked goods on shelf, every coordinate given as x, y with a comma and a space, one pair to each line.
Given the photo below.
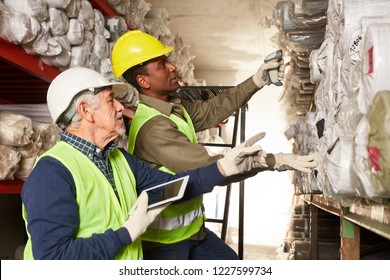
67, 34
301, 29
350, 103
22, 140
301, 232
140, 15
296, 245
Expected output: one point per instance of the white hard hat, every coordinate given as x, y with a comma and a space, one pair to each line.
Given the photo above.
71, 82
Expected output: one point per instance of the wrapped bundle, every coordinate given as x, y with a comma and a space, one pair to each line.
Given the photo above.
116, 26
379, 145
9, 162
33, 8
75, 32
59, 4
99, 27
100, 47
376, 71
86, 15
43, 43
339, 169
25, 167
16, 27
80, 57
120, 6
37, 112
62, 60
58, 22
136, 14
73, 8
47, 134
15, 130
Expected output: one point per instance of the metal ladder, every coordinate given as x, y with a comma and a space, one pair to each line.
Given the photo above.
205, 93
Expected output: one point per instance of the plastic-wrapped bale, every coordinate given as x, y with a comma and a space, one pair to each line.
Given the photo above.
47, 134
119, 6
86, 15
9, 162
61, 4
339, 169
37, 112
61, 60
15, 130
25, 167
100, 47
80, 56
314, 7
100, 23
376, 70
116, 26
58, 22
43, 43
379, 145
33, 8
136, 14
17, 27
72, 8
75, 32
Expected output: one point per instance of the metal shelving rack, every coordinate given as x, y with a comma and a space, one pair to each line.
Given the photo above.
370, 215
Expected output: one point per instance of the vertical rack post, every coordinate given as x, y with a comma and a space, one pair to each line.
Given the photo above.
242, 193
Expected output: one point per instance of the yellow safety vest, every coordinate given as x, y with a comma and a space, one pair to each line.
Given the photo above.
182, 220
99, 208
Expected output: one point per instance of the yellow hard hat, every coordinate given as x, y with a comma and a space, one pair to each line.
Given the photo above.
133, 48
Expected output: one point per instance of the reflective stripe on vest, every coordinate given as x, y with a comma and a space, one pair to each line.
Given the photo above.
99, 208
181, 220
177, 222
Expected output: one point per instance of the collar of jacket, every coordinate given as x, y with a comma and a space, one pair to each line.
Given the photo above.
163, 107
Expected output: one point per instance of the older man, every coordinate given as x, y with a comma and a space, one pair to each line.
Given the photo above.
77, 199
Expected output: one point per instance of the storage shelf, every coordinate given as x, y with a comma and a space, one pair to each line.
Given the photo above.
17, 57
372, 216
11, 186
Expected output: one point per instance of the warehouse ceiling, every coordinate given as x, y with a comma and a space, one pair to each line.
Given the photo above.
223, 35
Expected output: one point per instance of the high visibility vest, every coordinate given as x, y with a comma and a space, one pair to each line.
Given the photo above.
178, 221
99, 208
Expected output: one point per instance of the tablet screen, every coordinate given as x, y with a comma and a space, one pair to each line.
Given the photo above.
167, 192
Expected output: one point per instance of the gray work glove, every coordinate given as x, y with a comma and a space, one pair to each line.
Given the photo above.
262, 78
140, 217
296, 162
244, 157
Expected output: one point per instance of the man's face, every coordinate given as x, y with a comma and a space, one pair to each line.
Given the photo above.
162, 75
109, 115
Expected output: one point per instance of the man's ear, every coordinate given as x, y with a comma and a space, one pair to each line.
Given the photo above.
85, 111
143, 81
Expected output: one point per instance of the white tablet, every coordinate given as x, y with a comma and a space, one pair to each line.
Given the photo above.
167, 192
164, 193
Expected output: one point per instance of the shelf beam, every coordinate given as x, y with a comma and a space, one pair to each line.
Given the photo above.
103, 7
11, 186
360, 214
16, 56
